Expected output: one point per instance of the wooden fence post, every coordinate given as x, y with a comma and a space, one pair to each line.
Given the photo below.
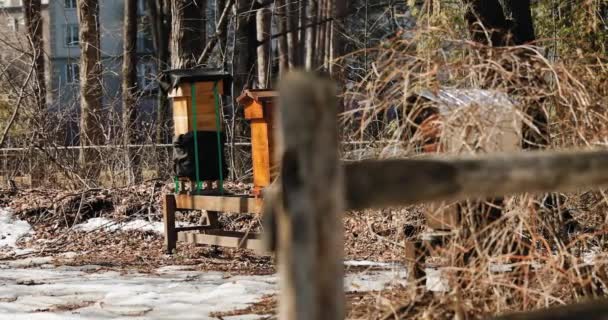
309, 208
169, 207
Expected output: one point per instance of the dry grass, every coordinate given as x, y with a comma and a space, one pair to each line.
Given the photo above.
543, 245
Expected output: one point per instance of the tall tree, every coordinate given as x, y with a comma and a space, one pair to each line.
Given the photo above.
91, 133
263, 51
245, 44
339, 8
505, 22
509, 22
32, 12
310, 34
221, 28
159, 12
293, 35
188, 32
281, 22
129, 90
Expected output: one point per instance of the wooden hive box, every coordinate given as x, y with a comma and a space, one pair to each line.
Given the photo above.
259, 110
198, 83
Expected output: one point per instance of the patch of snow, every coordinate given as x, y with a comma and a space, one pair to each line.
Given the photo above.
589, 256
375, 280
41, 293
95, 224
29, 262
500, 267
11, 230
365, 263
435, 281
172, 292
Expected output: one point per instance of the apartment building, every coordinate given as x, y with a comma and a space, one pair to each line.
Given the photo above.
65, 56
14, 42
61, 36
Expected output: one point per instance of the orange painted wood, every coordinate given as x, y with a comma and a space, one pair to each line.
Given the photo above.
254, 110
260, 151
258, 108
269, 118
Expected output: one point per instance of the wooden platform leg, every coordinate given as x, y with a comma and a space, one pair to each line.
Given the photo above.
169, 221
415, 255
213, 219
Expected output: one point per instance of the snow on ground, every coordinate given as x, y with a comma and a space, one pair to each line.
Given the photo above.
95, 224
98, 224
365, 263
48, 292
11, 230
35, 289
81, 293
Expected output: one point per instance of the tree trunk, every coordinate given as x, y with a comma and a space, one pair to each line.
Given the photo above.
311, 34
188, 32
293, 40
244, 50
302, 21
338, 38
506, 21
281, 22
509, 22
218, 34
91, 133
129, 91
222, 29
329, 15
263, 50
34, 24
160, 16
319, 51
487, 22
519, 20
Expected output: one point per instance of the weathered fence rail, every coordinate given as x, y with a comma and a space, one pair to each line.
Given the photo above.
314, 188
373, 184
589, 310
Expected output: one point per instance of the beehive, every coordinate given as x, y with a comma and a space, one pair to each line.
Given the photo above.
200, 84
198, 127
259, 110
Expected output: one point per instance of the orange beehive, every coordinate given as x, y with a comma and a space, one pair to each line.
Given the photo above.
258, 108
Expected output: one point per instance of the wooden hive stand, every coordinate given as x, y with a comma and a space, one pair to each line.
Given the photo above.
258, 109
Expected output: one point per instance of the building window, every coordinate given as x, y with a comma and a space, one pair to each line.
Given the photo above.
144, 38
72, 73
146, 76
70, 4
71, 35
15, 23
142, 6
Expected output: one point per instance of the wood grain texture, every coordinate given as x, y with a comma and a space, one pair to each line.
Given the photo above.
260, 153
222, 238
377, 184
310, 244
230, 204
169, 223
205, 107
589, 310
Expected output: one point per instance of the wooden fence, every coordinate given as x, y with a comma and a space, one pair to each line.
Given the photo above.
306, 203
